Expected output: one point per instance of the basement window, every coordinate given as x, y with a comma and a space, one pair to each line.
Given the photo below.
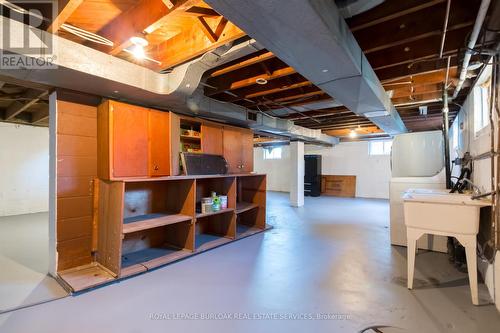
380, 147
272, 153
481, 107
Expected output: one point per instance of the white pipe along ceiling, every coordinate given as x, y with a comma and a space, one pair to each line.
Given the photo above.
312, 37
83, 69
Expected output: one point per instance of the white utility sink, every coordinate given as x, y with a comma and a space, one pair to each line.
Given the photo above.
439, 212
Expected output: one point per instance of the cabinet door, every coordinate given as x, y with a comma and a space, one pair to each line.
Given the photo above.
130, 140
159, 143
211, 139
232, 148
246, 151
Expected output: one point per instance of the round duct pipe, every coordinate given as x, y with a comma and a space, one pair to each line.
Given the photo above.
350, 8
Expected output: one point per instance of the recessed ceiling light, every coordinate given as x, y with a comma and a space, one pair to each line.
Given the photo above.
116, 91
261, 80
139, 41
407, 49
325, 70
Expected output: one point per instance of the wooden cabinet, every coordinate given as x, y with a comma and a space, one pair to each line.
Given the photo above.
133, 141
159, 143
238, 149
211, 140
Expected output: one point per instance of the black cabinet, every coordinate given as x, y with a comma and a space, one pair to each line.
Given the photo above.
312, 175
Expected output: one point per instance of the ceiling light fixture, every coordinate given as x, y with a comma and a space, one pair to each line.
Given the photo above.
137, 49
353, 134
261, 81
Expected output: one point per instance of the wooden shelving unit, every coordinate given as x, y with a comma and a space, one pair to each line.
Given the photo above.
242, 207
144, 223
190, 135
250, 205
148, 221
222, 211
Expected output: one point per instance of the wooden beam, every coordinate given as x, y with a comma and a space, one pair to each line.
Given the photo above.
207, 30
421, 79
40, 115
411, 91
389, 10
224, 85
242, 64
404, 70
31, 96
201, 11
413, 38
362, 131
213, 36
190, 44
319, 113
136, 20
415, 25
421, 49
65, 9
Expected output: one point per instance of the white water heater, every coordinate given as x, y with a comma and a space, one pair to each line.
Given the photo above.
417, 161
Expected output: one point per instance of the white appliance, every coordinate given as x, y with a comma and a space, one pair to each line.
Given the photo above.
417, 161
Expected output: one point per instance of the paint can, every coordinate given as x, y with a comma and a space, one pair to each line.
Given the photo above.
206, 205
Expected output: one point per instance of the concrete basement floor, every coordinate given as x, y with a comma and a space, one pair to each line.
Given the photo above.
24, 262
332, 256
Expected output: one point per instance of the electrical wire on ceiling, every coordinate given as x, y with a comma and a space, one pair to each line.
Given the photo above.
87, 35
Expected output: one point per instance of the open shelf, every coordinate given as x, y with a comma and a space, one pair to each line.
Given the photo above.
242, 207
149, 248
222, 211
153, 257
214, 230
250, 205
243, 230
86, 276
207, 241
190, 137
148, 221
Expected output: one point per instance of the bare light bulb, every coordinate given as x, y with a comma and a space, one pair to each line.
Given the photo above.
138, 52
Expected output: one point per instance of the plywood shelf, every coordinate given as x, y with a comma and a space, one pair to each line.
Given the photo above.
190, 137
205, 242
245, 230
148, 221
222, 211
86, 276
152, 257
242, 207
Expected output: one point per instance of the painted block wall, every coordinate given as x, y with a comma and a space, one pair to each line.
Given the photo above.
278, 171
24, 169
476, 144
351, 158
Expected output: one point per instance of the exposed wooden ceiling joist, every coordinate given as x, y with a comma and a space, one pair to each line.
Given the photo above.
30, 98
144, 14
65, 8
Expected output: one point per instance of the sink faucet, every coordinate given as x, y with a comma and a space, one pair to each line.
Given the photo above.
475, 189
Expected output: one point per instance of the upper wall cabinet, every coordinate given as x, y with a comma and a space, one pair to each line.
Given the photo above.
212, 139
238, 149
132, 141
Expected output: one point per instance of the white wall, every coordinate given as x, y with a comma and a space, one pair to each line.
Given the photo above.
278, 171
351, 158
476, 144
24, 169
